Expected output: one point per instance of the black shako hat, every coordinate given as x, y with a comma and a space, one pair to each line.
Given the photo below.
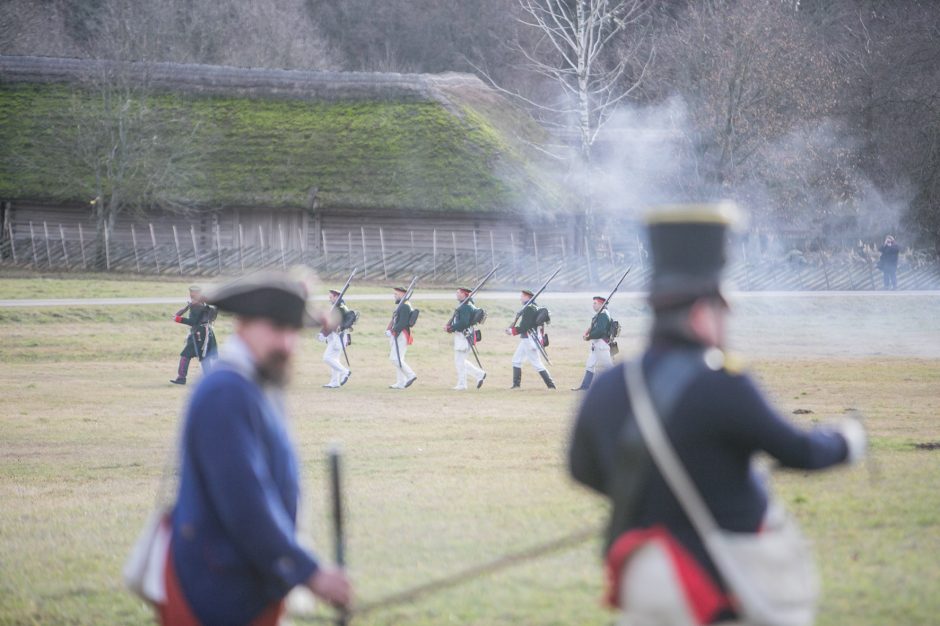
272, 295
687, 243
528, 292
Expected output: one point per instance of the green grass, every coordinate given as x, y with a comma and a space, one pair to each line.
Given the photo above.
270, 152
436, 480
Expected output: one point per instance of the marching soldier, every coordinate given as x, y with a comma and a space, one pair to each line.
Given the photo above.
201, 341
713, 417
527, 329
599, 337
399, 335
461, 325
334, 337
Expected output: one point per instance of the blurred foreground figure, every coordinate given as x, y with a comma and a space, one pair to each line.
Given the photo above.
715, 418
201, 341
234, 554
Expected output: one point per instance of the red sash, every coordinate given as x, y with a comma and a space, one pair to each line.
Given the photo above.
703, 595
177, 612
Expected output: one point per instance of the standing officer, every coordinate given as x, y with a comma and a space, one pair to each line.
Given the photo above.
234, 553
333, 336
200, 319
461, 325
399, 338
599, 337
715, 418
527, 329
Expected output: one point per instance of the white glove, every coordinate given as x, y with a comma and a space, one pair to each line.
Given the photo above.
321, 337
388, 333
855, 437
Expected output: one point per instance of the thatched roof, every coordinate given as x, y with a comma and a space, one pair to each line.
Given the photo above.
267, 137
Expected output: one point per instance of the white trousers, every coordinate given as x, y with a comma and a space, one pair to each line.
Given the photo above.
331, 356
403, 373
462, 361
526, 351
599, 356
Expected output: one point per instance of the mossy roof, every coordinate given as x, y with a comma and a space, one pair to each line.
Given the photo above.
265, 138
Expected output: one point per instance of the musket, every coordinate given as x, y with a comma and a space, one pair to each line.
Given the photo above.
474, 291
607, 301
339, 299
535, 340
401, 303
338, 532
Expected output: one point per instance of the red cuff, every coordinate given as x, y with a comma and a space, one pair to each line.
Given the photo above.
178, 319
515, 331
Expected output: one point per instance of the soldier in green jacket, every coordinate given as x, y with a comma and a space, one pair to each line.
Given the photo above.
399, 334
527, 329
333, 335
599, 337
201, 341
461, 325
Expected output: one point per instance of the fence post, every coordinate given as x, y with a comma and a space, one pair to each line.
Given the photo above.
587, 257
492, 251
241, 247
303, 245
512, 249
65, 251
349, 255
412, 242
153, 242
535, 248
261, 243
32, 243
434, 253
382, 242
453, 238
326, 252
365, 262
192, 232
218, 245
12, 243
476, 262
134, 241
45, 230
280, 236
564, 253
179, 256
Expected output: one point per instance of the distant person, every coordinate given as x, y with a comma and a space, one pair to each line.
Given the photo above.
599, 337
200, 344
399, 338
333, 336
715, 418
888, 262
234, 553
461, 326
527, 329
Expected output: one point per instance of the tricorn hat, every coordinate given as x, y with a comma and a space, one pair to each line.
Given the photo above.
272, 295
688, 251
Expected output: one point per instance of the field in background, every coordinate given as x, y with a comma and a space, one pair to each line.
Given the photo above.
440, 480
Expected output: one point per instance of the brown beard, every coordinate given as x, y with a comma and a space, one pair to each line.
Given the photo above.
275, 369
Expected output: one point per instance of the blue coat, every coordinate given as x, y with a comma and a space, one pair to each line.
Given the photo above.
234, 540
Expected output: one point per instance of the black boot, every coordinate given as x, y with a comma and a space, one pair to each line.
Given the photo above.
516, 377
588, 377
182, 371
547, 378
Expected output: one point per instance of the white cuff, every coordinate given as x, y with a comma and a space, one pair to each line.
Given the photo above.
855, 437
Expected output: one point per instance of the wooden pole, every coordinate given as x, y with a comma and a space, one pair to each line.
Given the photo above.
512, 249
134, 241
192, 232
261, 243
434, 253
32, 243
179, 255
280, 236
107, 249
65, 251
535, 247
45, 230
365, 262
153, 242
241, 247
587, 258
492, 251
218, 246
412, 242
12, 243
303, 245
453, 238
564, 253
349, 252
382, 242
476, 262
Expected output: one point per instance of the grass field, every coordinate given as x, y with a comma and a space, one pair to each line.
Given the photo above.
439, 480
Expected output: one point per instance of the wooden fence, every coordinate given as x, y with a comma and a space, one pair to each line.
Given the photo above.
449, 258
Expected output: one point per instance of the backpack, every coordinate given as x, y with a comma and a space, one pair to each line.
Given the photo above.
413, 319
478, 316
542, 316
614, 329
349, 319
